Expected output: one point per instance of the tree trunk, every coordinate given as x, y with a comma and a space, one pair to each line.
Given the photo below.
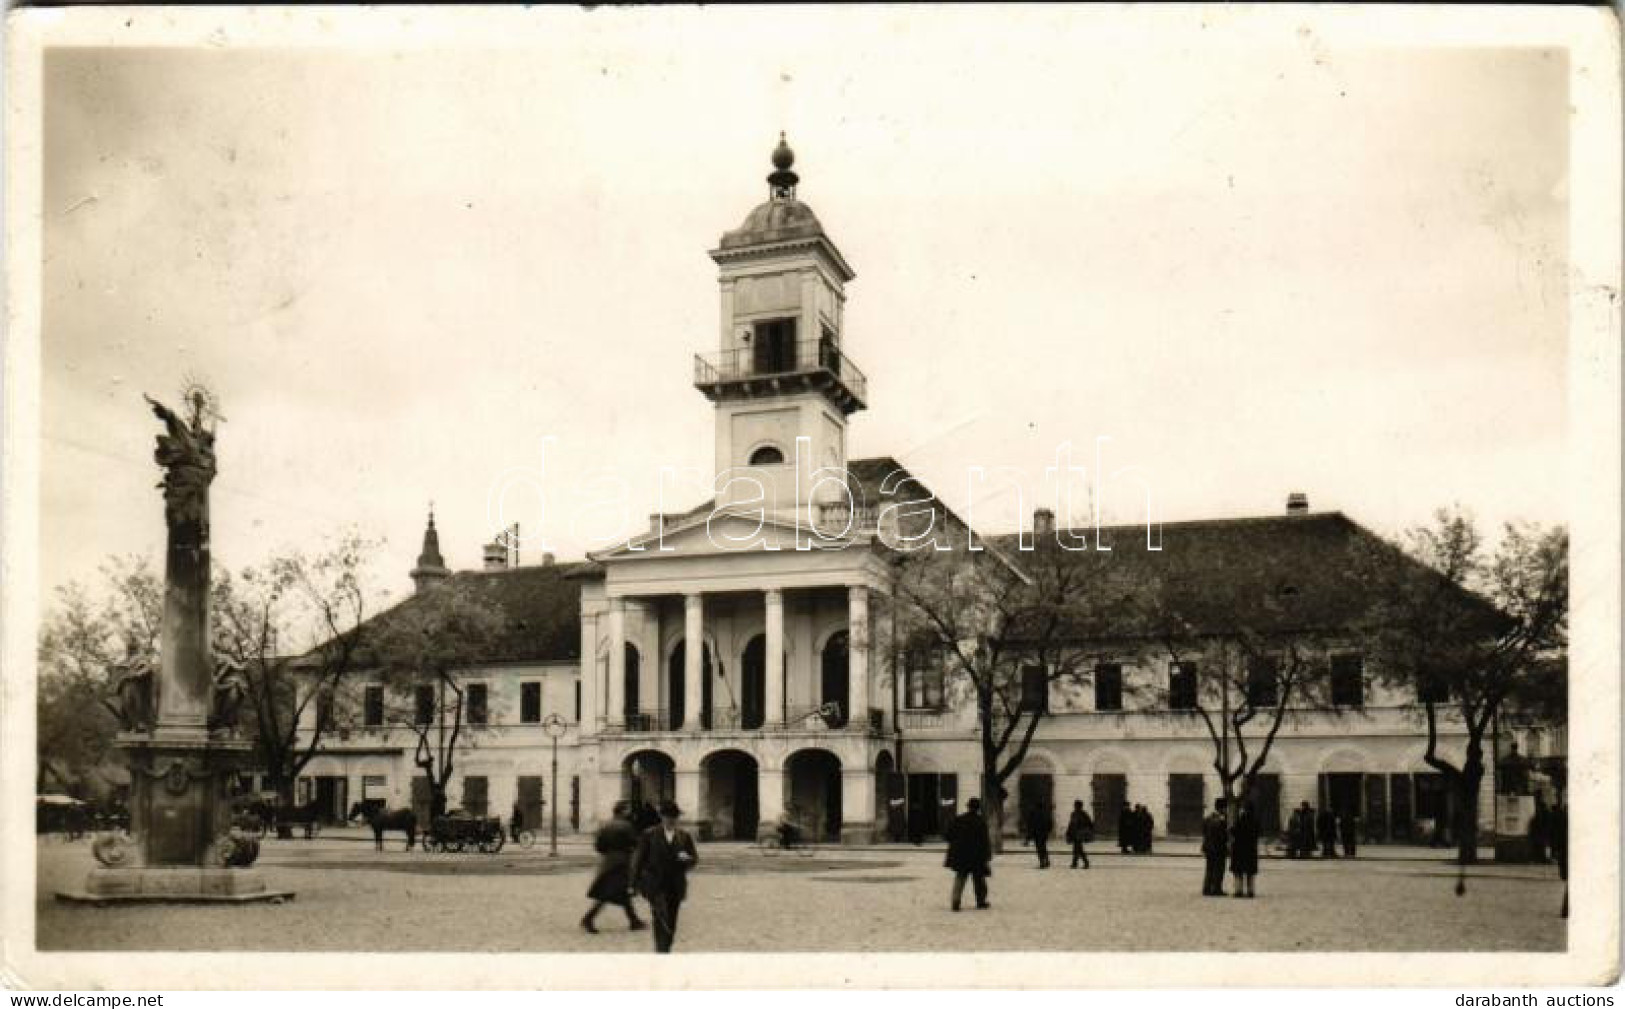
284, 800
1468, 783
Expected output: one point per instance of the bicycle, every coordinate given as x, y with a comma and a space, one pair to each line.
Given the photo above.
772, 845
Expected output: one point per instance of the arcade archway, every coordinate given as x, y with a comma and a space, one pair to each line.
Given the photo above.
813, 792
728, 800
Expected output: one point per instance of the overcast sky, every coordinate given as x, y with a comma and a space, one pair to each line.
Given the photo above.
1255, 269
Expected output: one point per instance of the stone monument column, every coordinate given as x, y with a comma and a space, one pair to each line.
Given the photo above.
179, 726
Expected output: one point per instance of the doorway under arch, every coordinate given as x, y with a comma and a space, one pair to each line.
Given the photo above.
836, 681
729, 802
753, 684
648, 776
631, 702
813, 793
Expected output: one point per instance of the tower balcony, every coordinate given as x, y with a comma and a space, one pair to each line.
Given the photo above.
817, 365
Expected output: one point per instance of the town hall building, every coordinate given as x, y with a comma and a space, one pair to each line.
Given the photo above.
736, 657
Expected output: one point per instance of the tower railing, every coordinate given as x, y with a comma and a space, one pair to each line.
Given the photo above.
820, 357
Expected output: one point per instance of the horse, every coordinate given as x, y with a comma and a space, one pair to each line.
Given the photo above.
309, 815
381, 819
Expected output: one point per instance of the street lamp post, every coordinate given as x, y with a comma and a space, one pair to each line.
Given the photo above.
554, 726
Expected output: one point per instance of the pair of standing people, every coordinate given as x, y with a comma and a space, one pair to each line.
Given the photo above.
1239, 841
654, 862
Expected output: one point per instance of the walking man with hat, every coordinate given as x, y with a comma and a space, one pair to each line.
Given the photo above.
660, 865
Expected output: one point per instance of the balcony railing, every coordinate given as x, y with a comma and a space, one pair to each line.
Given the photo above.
817, 717
836, 516
925, 718
819, 361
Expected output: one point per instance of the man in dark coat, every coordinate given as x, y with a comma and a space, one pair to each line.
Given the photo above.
1244, 850
1125, 829
1215, 845
1540, 831
1148, 830
660, 864
1040, 822
613, 883
1080, 828
969, 853
1305, 832
1326, 830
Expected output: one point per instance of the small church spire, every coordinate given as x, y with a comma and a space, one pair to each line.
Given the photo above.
431, 568
782, 183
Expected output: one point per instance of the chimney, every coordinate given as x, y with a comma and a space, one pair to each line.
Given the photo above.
1043, 522
496, 557
547, 560
1297, 503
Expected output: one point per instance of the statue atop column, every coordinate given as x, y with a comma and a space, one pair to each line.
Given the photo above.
186, 454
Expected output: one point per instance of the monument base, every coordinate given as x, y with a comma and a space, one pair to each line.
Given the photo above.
174, 884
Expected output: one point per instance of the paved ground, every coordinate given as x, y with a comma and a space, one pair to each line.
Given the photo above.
876, 899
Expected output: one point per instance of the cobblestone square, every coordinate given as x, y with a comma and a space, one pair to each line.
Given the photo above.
879, 899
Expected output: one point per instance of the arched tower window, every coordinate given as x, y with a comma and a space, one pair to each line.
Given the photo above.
767, 455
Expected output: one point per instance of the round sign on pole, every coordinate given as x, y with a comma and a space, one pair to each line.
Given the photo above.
555, 727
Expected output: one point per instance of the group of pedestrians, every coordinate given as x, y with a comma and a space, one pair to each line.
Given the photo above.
1306, 827
1038, 822
1134, 829
1236, 841
653, 862
637, 857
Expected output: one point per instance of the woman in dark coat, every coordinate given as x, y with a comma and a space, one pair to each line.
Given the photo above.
613, 883
1244, 850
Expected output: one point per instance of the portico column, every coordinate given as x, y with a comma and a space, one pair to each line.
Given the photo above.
857, 805
857, 662
609, 791
616, 715
774, 695
693, 658
769, 799
589, 675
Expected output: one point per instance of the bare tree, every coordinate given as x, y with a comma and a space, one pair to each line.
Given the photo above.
426, 645
264, 619
1004, 625
1243, 685
84, 641
1469, 632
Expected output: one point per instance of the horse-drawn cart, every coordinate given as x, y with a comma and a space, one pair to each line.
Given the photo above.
459, 831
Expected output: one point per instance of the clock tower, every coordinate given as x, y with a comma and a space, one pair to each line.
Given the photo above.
781, 381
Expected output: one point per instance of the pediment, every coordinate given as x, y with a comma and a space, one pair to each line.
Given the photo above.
719, 533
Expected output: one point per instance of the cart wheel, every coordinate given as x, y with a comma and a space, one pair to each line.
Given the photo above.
498, 841
527, 839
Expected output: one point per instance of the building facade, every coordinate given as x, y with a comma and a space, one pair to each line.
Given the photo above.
737, 657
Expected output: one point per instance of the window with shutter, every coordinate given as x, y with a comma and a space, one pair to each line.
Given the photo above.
1034, 689
1109, 687
478, 714
1263, 682
373, 705
530, 702
1182, 686
1348, 681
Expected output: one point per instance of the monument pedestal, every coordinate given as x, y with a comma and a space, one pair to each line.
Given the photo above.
181, 846
176, 884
